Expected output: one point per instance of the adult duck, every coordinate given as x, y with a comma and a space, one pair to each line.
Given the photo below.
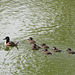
9, 43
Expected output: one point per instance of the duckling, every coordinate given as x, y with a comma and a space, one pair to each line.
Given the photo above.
70, 51
31, 41
9, 43
35, 47
44, 46
45, 51
55, 49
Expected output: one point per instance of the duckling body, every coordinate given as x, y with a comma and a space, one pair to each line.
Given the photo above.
31, 41
9, 43
35, 47
45, 46
45, 51
56, 50
70, 51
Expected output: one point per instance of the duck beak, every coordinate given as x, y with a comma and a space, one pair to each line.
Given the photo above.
66, 50
4, 39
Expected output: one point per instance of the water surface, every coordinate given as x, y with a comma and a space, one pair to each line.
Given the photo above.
47, 21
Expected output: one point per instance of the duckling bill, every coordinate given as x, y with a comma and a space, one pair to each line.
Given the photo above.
9, 43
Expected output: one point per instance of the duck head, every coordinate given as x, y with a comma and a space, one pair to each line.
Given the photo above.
69, 49
45, 50
7, 39
30, 38
43, 44
54, 48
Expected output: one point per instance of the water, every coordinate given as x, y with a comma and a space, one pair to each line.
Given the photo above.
47, 21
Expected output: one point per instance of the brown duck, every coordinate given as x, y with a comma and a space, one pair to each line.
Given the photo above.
35, 47
55, 49
31, 41
70, 51
44, 46
45, 51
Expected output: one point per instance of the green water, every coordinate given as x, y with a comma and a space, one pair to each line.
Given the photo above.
47, 21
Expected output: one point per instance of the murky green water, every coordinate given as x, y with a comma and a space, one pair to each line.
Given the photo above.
47, 21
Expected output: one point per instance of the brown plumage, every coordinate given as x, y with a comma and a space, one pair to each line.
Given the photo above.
31, 41
9, 43
55, 49
35, 47
44, 46
45, 51
70, 51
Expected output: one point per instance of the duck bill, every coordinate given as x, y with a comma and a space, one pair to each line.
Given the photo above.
4, 39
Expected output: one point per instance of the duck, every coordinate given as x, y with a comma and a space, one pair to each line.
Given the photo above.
45, 51
55, 49
70, 51
9, 43
31, 41
35, 47
44, 46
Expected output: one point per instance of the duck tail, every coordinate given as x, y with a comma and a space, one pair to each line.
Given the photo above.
17, 43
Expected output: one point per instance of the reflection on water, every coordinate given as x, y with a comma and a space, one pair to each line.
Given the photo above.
9, 48
47, 21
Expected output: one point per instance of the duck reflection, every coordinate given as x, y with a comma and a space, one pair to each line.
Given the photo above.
8, 48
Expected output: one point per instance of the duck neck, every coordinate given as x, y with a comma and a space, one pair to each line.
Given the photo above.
7, 40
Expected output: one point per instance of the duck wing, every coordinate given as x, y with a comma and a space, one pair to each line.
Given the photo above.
11, 43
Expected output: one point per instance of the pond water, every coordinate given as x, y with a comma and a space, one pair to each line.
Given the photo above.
47, 21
